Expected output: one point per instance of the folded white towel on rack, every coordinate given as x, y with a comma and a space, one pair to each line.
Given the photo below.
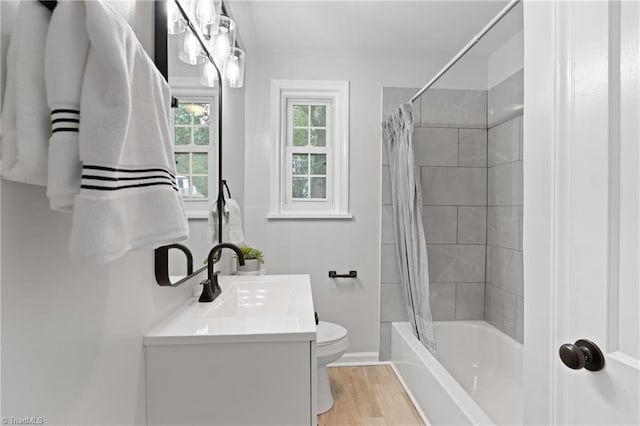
128, 195
234, 221
25, 115
65, 61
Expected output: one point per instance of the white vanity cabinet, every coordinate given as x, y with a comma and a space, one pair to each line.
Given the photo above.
248, 358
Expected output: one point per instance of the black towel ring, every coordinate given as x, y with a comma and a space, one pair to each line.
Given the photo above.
49, 4
224, 183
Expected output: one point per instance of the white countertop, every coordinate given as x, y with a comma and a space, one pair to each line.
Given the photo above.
263, 308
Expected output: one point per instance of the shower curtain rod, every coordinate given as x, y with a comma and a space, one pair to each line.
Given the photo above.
467, 47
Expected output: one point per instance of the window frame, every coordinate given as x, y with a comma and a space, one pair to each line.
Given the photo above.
189, 90
296, 204
334, 94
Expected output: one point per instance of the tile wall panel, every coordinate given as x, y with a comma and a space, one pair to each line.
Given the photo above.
468, 147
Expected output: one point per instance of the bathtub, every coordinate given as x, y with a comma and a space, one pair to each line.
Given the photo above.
476, 379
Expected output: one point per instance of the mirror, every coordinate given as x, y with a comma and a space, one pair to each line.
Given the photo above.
201, 112
194, 129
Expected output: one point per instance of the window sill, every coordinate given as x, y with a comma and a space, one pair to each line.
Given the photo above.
197, 215
296, 216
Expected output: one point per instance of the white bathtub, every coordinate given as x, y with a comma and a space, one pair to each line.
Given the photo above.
476, 380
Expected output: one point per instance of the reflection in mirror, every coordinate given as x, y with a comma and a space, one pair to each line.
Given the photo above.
196, 117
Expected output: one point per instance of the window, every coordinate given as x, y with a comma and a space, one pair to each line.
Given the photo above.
194, 134
191, 137
310, 152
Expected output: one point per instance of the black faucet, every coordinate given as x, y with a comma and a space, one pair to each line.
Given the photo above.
210, 288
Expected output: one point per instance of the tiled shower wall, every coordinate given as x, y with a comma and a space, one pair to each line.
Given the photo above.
472, 206
450, 141
504, 290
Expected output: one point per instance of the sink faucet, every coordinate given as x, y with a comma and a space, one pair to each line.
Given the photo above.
210, 288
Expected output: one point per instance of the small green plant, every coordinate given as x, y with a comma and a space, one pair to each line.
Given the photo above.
251, 253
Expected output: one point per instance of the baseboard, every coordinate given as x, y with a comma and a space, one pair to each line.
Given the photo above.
356, 358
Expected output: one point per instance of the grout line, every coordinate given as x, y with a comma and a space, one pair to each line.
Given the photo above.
455, 302
454, 167
504, 248
457, 205
503, 164
457, 224
458, 142
504, 289
457, 244
486, 224
452, 127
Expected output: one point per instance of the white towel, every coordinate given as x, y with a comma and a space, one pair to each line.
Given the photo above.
25, 115
212, 222
231, 217
234, 221
128, 196
65, 60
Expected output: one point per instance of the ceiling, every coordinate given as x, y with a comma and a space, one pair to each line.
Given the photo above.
370, 25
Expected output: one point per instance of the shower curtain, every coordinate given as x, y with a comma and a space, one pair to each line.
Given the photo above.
407, 219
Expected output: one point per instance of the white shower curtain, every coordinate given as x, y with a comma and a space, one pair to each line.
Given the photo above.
407, 219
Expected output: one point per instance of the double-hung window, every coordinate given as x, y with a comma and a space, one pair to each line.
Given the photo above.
193, 136
310, 149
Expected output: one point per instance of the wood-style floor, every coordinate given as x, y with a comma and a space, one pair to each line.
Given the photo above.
368, 395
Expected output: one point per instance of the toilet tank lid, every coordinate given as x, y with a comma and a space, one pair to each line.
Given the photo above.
328, 332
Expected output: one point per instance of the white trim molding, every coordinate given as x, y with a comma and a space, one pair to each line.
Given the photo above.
356, 358
336, 95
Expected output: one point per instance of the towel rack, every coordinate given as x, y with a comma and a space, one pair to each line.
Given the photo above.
162, 265
49, 4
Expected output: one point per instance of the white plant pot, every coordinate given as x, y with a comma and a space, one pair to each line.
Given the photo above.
250, 266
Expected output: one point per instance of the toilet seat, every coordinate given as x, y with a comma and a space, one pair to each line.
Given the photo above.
328, 333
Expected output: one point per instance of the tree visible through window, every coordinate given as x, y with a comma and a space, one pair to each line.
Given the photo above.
192, 139
309, 151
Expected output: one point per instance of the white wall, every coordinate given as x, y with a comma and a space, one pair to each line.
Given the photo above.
316, 246
506, 60
72, 333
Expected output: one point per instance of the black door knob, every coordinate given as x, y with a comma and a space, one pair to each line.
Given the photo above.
582, 354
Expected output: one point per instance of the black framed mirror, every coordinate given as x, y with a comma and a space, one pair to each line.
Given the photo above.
183, 56
174, 263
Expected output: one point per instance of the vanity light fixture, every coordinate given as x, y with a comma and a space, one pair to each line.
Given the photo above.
208, 13
191, 52
223, 40
234, 68
208, 76
175, 22
208, 39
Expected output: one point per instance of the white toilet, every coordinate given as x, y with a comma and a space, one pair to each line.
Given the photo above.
332, 343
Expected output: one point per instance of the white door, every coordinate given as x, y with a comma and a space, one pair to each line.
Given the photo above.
582, 214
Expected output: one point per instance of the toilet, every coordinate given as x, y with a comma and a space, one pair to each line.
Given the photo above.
332, 343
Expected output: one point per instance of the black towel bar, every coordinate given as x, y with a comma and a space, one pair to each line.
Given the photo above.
351, 274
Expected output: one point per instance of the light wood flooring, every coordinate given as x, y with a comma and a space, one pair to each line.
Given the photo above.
368, 395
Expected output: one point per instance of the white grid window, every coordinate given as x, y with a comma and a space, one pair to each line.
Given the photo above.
310, 152
192, 139
194, 131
